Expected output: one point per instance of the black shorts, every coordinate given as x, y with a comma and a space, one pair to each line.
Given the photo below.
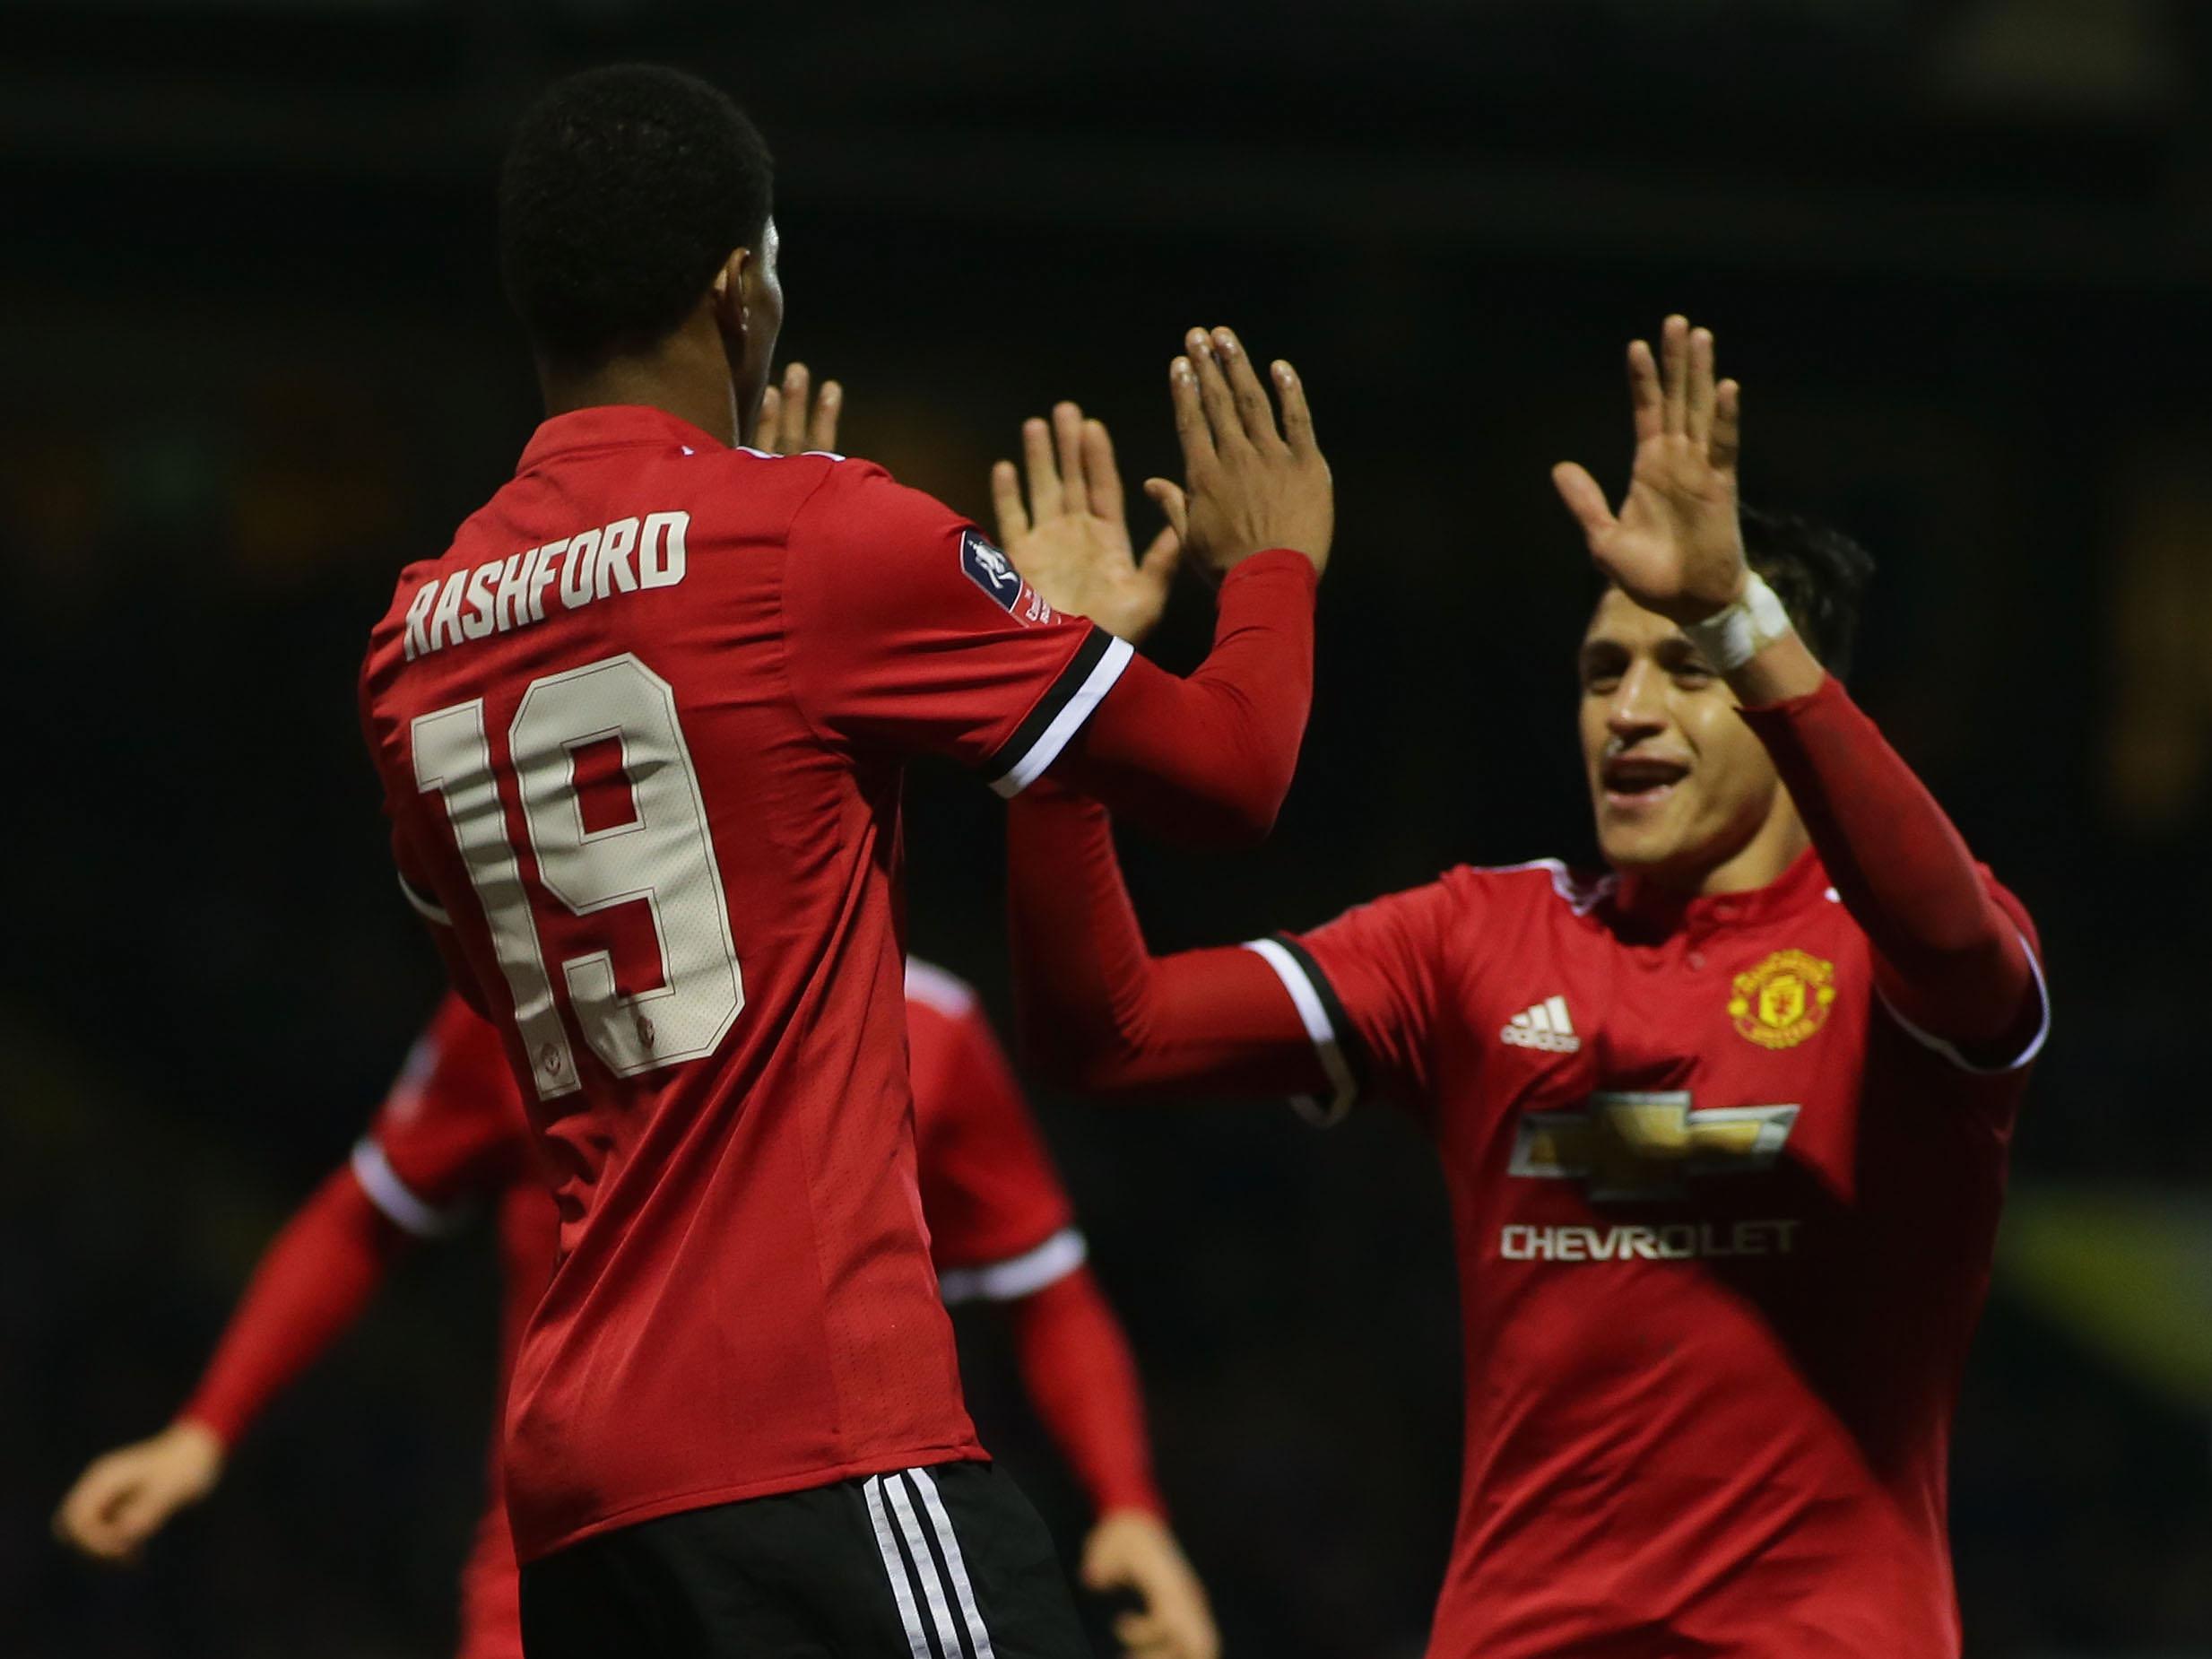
947, 1562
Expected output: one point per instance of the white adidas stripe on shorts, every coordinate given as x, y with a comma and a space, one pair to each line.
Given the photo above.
922, 1556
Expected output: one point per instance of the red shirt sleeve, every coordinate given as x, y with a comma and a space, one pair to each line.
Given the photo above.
451, 1131
1098, 1010
1366, 988
1082, 1377
1001, 1226
904, 626
1207, 759
1955, 958
312, 1283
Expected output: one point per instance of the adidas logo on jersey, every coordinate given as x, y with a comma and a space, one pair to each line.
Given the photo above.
1542, 1025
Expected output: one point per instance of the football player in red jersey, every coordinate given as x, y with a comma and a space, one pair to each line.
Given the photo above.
452, 1135
641, 730
1725, 1130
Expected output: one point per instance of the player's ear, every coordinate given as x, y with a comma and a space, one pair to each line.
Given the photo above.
731, 293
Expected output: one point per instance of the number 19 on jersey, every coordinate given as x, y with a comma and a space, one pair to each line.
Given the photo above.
663, 857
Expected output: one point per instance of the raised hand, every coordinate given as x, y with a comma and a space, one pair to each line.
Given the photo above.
1132, 1550
1072, 540
1675, 546
1248, 484
788, 425
129, 1495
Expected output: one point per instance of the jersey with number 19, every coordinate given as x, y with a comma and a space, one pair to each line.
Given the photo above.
640, 731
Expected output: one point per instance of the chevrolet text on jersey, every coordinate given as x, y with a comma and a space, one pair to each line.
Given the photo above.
501, 593
1682, 1241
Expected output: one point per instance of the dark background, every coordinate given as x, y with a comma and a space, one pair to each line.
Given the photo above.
255, 360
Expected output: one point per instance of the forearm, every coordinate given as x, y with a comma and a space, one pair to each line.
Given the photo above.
1083, 1381
1208, 759
1097, 1009
1950, 957
312, 1284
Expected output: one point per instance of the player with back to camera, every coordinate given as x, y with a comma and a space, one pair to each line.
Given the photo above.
452, 1135
1725, 1129
641, 731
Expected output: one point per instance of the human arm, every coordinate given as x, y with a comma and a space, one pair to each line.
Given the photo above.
1081, 1379
906, 630
449, 1126
1236, 723
317, 1276
1951, 959
1098, 1011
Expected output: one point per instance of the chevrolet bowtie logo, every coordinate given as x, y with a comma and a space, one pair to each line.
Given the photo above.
1644, 1145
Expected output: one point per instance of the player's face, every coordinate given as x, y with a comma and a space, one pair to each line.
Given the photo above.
1679, 783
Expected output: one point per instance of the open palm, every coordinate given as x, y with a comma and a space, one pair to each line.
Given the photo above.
1071, 538
1675, 546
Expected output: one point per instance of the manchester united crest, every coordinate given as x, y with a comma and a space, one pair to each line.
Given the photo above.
1783, 1001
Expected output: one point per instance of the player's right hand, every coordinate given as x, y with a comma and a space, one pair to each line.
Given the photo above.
129, 1495
1248, 484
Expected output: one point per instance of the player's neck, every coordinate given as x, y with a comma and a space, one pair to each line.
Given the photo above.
1759, 862
687, 375
1763, 859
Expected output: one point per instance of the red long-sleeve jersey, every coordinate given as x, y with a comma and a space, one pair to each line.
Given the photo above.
1725, 1179
641, 729
452, 1136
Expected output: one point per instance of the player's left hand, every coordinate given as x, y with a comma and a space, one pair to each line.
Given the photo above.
1677, 546
1071, 541
789, 425
1132, 1550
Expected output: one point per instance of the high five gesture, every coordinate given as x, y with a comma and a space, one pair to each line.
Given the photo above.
1248, 484
1675, 547
1071, 538
1251, 484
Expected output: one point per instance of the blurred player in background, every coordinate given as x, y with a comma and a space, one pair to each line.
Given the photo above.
1725, 1130
449, 1138
641, 731
453, 1135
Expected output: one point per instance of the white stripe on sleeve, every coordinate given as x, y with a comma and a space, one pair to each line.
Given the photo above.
1068, 721
392, 1196
424, 905
1018, 1275
1313, 1014
1950, 1050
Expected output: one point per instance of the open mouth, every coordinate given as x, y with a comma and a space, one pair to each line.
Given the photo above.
1633, 781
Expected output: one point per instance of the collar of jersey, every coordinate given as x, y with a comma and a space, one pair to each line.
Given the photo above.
612, 426
1804, 883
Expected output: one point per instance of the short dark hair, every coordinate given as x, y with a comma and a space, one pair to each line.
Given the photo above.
625, 188
1818, 573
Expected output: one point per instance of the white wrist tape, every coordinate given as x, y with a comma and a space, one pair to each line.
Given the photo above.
1731, 638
